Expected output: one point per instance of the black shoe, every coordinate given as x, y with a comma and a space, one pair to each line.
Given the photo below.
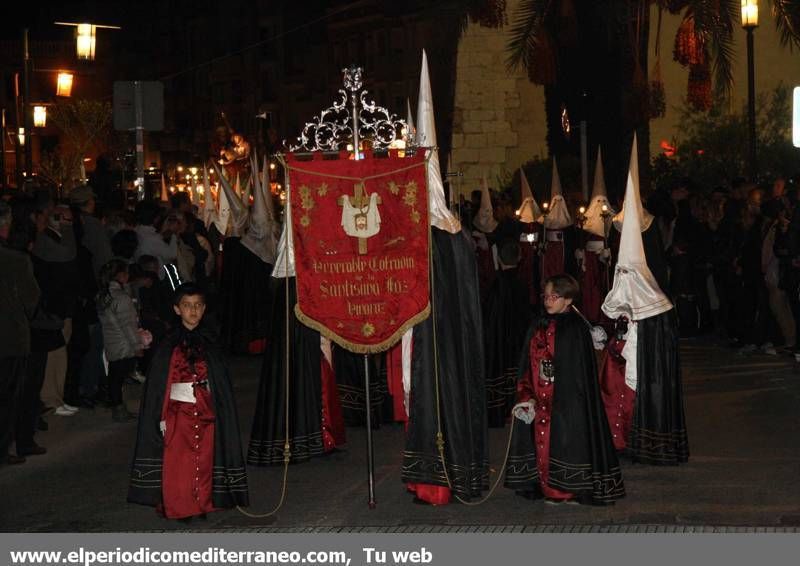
12, 460
32, 450
41, 424
86, 403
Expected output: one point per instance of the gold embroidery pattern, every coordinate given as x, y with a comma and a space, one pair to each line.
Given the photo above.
393, 188
410, 200
306, 203
367, 330
322, 190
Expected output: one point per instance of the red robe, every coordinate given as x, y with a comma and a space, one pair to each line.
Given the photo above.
332, 424
531, 387
188, 441
618, 398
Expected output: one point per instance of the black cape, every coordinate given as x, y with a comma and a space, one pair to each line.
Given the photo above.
349, 370
229, 481
506, 317
582, 456
268, 433
245, 302
658, 431
462, 396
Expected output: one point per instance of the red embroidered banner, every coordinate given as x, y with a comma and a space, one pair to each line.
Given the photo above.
361, 238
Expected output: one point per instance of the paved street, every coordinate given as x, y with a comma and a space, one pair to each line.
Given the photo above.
744, 431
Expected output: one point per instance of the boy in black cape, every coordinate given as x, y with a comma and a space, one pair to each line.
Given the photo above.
561, 448
188, 458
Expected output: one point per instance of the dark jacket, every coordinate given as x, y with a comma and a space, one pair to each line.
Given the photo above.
19, 294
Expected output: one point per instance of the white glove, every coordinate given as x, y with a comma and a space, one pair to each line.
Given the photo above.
605, 255
599, 337
524, 411
162, 426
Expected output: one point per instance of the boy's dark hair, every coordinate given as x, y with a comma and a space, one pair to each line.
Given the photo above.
565, 286
187, 290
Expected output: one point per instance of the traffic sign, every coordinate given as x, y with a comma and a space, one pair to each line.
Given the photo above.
152, 105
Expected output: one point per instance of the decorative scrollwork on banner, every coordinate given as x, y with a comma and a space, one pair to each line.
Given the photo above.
332, 130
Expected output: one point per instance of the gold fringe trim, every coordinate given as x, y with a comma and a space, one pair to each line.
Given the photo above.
362, 348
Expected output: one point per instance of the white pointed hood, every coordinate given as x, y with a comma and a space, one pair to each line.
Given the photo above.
237, 211
164, 193
595, 223
249, 188
260, 236
284, 263
484, 220
209, 208
645, 218
528, 210
635, 293
558, 217
411, 129
440, 215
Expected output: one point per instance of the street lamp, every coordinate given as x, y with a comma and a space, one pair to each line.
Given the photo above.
39, 116
64, 84
85, 38
750, 23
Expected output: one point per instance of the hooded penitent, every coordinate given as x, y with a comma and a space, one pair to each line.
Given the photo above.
652, 370
441, 217
260, 236
164, 193
528, 210
209, 208
484, 220
237, 211
596, 222
558, 217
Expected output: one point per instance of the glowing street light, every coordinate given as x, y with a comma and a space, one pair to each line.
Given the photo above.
749, 13
21, 136
64, 84
40, 116
85, 38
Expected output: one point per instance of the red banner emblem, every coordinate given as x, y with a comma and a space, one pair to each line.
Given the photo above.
361, 247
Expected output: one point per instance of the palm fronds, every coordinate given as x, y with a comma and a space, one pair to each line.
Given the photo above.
787, 21
526, 32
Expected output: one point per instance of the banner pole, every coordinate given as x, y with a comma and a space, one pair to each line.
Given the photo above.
370, 453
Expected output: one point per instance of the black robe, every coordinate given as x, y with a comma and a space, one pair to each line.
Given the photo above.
305, 395
658, 431
244, 297
229, 477
582, 456
506, 317
349, 370
462, 384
